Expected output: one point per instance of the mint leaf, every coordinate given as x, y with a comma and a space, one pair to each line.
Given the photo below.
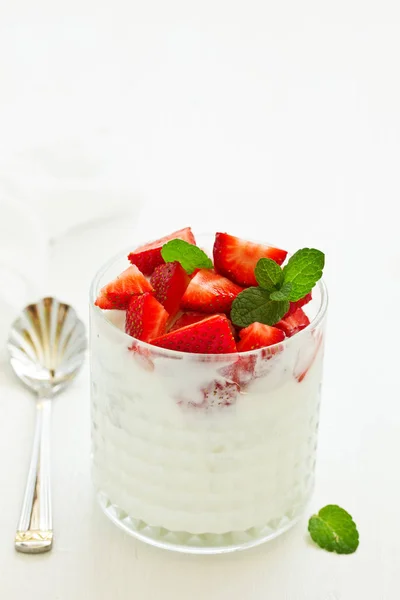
254, 304
334, 530
189, 256
303, 270
283, 293
269, 274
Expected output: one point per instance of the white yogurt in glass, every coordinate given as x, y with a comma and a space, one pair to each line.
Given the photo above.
179, 472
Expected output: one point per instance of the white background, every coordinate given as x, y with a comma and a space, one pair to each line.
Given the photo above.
276, 118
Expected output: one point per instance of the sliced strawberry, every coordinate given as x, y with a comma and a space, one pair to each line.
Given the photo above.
145, 317
237, 258
170, 282
212, 335
118, 293
209, 292
148, 257
295, 305
257, 336
103, 302
219, 394
293, 323
241, 372
187, 319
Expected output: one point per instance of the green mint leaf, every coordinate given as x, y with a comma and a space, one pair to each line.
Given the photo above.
191, 257
254, 304
303, 270
269, 274
283, 293
334, 530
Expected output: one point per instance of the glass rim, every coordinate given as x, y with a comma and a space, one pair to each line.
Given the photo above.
288, 341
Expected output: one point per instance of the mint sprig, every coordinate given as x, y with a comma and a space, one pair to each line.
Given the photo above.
283, 293
269, 274
254, 304
269, 302
191, 257
303, 270
334, 530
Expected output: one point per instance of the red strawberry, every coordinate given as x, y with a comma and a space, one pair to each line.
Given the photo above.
148, 257
241, 372
293, 323
118, 293
212, 335
258, 335
145, 317
295, 305
236, 258
187, 319
170, 282
215, 395
209, 292
193, 317
219, 394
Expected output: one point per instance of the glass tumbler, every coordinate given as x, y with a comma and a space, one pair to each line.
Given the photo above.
203, 453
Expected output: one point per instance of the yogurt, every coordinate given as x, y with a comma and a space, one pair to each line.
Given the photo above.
166, 458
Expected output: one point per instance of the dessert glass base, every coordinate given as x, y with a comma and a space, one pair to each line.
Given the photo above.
206, 543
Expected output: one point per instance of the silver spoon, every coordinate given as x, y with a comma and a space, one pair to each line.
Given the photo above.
47, 346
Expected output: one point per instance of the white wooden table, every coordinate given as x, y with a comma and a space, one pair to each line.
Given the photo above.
282, 121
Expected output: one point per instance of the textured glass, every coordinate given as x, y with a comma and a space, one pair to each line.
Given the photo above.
203, 453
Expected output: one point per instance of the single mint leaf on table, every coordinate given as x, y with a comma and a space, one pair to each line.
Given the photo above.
303, 270
191, 257
283, 293
254, 304
269, 274
334, 530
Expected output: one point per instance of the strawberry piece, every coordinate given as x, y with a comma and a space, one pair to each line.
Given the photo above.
237, 258
148, 257
209, 292
293, 323
193, 317
295, 305
103, 302
241, 372
187, 319
212, 335
145, 317
170, 282
219, 394
258, 335
118, 293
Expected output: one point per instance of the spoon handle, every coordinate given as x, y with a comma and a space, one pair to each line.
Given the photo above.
35, 529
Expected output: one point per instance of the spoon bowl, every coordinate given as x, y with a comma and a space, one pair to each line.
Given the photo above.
47, 344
